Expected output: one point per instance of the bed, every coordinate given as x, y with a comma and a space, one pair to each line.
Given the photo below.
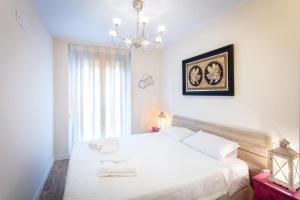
169, 169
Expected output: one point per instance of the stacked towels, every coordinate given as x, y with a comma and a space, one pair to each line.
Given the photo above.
117, 168
117, 159
113, 164
105, 146
96, 144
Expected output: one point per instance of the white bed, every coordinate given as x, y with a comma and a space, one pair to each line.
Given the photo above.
167, 170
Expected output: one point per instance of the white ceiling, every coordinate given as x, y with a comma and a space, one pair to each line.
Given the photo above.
90, 20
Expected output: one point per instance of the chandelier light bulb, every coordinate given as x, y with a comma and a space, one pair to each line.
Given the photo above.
161, 29
145, 43
158, 39
116, 21
128, 41
113, 33
144, 20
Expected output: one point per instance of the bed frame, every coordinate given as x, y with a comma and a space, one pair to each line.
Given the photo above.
253, 148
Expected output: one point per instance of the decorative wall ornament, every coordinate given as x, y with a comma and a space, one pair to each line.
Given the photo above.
146, 81
210, 73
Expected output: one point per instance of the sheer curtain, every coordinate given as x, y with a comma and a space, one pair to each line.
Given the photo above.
99, 93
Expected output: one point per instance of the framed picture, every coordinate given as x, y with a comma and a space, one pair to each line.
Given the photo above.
210, 73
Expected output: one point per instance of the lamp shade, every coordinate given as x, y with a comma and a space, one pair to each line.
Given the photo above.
285, 166
144, 20
161, 120
116, 21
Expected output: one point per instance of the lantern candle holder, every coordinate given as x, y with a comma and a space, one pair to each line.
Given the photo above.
285, 166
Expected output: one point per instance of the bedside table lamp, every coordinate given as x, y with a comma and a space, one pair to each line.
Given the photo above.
285, 166
161, 120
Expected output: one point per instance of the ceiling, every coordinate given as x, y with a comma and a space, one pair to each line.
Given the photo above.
90, 20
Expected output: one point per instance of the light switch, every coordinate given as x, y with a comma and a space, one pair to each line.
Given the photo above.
20, 21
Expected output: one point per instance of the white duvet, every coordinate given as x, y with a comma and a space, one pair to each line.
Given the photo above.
166, 170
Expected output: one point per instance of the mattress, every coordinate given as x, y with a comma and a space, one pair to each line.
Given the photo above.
166, 170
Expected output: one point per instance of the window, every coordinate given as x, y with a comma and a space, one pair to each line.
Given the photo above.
99, 93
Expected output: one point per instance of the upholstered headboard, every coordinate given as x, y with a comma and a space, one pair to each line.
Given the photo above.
254, 146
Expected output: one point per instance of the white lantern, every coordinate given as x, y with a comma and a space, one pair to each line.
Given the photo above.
285, 166
161, 120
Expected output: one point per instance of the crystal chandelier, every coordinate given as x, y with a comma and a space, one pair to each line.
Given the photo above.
139, 40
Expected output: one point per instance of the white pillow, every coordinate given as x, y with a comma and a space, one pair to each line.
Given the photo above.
177, 133
233, 154
212, 145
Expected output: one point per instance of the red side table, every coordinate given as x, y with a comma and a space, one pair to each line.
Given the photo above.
266, 190
155, 129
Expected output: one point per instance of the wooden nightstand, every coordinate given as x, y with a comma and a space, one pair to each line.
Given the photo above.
155, 129
266, 190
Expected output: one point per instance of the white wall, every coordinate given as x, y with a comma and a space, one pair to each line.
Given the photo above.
61, 63
145, 102
26, 134
266, 35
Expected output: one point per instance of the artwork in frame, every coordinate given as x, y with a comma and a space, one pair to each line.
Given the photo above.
211, 73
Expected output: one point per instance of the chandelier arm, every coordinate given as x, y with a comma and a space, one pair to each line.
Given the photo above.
122, 37
118, 33
130, 47
137, 24
117, 43
113, 41
143, 31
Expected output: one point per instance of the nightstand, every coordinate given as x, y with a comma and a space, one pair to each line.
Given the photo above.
266, 190
155, 129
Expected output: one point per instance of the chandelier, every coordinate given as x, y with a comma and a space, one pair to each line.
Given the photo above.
139, 40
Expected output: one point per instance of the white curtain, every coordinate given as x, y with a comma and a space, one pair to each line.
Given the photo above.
99, 93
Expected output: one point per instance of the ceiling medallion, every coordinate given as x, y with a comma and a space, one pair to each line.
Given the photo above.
139, 40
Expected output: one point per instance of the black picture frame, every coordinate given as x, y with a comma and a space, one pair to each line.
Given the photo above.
229, 91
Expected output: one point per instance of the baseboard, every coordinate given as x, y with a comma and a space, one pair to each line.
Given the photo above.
45, 177
61, 157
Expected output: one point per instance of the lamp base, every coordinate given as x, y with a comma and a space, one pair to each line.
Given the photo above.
289, 187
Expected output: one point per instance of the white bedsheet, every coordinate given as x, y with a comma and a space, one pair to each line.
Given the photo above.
167, 170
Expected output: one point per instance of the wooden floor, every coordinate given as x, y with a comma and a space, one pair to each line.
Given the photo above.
55, 185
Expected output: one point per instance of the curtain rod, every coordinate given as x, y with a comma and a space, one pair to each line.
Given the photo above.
96, 45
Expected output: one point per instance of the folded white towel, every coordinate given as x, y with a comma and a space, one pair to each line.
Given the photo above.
110, 140
109, 148
114, 159
101, 174
110, 145
127, 168
105, 146
96, 144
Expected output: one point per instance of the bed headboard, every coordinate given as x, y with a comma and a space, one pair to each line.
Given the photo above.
254, 146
